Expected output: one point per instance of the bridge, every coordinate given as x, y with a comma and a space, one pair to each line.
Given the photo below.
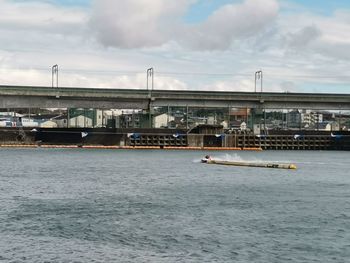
48, 97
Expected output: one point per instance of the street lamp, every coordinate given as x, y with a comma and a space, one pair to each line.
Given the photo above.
54, 74
259, 75
150, 73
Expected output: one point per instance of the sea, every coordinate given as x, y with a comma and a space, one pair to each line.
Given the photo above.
88, 205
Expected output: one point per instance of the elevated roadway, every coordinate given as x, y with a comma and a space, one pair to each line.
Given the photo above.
48, 97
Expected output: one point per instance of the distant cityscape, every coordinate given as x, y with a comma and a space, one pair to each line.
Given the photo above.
231, 119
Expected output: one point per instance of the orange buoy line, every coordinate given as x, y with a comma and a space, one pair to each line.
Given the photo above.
51, 146
58, 146
212, 148
99, 147
222, 148
18, 146
181, 148
252, 149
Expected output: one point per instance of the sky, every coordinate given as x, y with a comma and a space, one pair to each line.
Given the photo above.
299, 45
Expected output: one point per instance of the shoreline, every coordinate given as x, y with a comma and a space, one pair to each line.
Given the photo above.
128, 147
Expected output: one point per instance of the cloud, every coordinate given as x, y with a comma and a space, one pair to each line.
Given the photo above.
143, 23
232, 22
39, 16
30, 77
311, 34
304, 37
136, 23
136, 81
247, 85
292, 48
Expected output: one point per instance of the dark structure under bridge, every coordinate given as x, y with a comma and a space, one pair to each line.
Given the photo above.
204, 136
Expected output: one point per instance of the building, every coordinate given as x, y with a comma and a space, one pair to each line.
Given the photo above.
238, 125
86, 118
132, 120
294, 119
327, 126
310, 119
239, 114
80, 121
162, 120
48, 124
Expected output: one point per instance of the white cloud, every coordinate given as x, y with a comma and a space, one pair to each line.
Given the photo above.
292, 49
304, 37
244, 84
143, 23
312, 34
30, 77
133, 81
232, 22
39, 16
136, 23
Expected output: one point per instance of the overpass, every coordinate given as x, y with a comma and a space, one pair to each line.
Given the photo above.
48, 97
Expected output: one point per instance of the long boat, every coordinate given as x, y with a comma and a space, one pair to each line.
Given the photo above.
253, 164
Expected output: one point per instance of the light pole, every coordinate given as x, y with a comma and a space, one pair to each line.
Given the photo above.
54, 74
259, 75
150, 73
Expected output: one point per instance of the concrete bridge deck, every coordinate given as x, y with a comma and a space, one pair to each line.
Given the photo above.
48, 97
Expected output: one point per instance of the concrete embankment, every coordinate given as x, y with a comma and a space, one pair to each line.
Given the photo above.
58, 146
171, 139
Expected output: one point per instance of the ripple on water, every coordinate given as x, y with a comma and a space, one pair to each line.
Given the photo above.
137, 206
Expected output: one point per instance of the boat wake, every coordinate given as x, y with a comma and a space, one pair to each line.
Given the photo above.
229, 157
235, 158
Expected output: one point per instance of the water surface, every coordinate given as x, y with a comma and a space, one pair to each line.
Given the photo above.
79, 205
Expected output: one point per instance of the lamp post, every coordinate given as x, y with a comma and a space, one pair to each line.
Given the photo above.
54, 74
150, 73
259, 75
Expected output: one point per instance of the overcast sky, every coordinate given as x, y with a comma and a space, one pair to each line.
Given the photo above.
300, 45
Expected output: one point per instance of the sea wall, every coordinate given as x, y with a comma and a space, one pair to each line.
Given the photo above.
175, 138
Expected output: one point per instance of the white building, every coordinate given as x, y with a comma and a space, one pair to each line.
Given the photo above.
309, 118
243, 126
224, 124
80, 121
162, 120
48, 124
28, 122
328, 126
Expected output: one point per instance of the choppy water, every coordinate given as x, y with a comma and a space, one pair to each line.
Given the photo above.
164, 206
